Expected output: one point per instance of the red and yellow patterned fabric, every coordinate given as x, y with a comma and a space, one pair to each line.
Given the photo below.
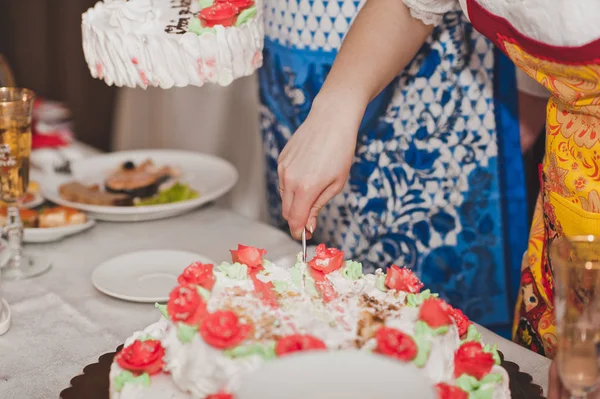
569, 203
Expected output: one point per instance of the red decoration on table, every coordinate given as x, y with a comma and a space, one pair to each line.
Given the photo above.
472, 360
298, 343
186, 305
396, 344
221, 395
142, 357
462, 322
327, 260
445, 391
198, 274
402, 279
434, 312
239, 4
249, 256
223, 330
224, 14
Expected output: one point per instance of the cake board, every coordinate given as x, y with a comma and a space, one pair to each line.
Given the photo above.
93, 382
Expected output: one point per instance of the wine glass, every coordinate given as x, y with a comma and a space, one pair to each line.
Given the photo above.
576, 265
16, 107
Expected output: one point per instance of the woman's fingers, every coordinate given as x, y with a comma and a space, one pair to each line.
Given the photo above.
305, 194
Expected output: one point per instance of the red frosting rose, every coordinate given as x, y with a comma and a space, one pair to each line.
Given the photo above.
459, 318
327, 260
402, 279
223, 330
470, 359
445, 391
434, 312
224, 14
395, 343
249, 256
221, 395
298, 343
198, 274
239, 4
186, 305
142, 357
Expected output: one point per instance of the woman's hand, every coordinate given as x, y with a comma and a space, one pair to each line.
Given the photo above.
315, 163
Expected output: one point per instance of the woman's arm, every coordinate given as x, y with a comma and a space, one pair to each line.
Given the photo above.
382, 41
314, 165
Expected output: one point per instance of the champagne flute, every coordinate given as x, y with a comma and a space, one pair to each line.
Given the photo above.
16, 108
576, 265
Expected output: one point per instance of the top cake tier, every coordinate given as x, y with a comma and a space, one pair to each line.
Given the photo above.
173, 43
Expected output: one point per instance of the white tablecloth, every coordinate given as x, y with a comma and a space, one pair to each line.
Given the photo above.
61, 323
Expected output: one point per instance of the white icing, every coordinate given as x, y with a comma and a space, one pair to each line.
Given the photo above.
197, 369
126, 43
131, 15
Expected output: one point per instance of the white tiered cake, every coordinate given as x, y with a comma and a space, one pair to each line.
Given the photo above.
173, 43
222, 322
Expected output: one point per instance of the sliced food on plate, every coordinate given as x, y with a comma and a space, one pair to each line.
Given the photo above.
132, 185
49, 217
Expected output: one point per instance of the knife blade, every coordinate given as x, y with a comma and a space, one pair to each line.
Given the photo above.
304, 246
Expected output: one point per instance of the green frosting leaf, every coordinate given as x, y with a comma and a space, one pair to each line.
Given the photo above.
281, 286
424, 329
236, 271
195, 26
311, 288
296, 275
127, 377
186, 333
478, 389
245, 16
494, 351
205, 3
472, 334
145, 337
204, 293
265, 351
421, 338
352, 270
163, 310
416, 300
380, 282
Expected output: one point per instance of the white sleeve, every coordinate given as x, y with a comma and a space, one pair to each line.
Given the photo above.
528, 85
431, 12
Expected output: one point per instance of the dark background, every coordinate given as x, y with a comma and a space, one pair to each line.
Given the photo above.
41, 40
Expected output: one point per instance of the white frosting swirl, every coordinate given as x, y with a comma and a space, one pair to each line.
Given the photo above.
131, 14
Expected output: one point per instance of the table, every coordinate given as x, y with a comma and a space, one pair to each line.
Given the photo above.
61, 323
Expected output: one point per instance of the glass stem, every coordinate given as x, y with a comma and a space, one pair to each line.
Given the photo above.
14, 232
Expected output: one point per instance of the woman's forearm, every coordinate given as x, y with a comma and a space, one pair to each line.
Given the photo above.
382, 41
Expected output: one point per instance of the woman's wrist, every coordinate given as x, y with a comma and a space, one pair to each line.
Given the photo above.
343, 102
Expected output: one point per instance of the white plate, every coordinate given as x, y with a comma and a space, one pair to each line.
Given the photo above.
35, 202
211, 176
145, 276
50, 234
335, 375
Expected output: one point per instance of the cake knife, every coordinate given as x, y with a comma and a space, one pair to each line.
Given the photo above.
304, 245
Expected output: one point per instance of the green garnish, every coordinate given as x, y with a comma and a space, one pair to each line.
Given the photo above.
179, 192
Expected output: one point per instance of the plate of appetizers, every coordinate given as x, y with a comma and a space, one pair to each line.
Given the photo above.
50, 223
32, 197
141, 185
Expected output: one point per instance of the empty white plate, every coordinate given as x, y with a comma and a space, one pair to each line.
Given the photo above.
50, 234
336, 375
145, 276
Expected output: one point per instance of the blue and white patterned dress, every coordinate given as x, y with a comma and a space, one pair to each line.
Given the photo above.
437, 181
